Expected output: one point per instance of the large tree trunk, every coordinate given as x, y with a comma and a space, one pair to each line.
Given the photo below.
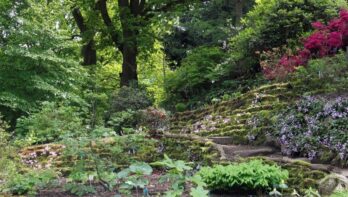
89, 54
129, 66
238, 11
128, 12
88, 51
127, 44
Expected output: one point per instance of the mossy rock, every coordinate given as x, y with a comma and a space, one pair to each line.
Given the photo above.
327, 156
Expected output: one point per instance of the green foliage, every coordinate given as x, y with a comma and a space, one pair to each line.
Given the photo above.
130, 98
180, 107
326, 74
124, 106
135, 176
52, 123
154, 120
262, 33
340, 193
178, 176
123, 121
9, 160
3, 127
79, 189
37, 62
109, 152
248, 177
310, 192
206, 24
198, 71
79, 181
28, 183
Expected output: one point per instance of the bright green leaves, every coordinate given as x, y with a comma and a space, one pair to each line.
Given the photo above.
37, 59
253, 175
176, 166
178, 176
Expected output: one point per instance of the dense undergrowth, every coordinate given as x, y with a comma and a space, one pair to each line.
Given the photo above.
79, 130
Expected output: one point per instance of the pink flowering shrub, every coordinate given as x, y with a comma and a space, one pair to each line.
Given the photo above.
324, 41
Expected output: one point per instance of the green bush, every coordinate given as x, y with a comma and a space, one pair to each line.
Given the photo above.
3, 125
123, 121
130, 98
52, 123
180, 107
293, 20
326, 74
29, 183
9, 159
340, 193
253, 176
199, 70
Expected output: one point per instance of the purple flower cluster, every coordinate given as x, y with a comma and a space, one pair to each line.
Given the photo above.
314, 125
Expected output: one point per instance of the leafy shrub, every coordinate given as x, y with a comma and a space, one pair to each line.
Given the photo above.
130, 98
9, 159
326, 40
248, 177
180, 107
3, 125
316, 128
135, 176
198, 71
269, 62
110, 151
155, 120
328, 74
123, 121
124, 106
178, 177
29, 183
340, 193
261, 33
52, 123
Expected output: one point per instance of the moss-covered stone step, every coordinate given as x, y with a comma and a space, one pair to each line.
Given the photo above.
273, 86
240, 133
251, 109
229, 126
222, 140
232, 152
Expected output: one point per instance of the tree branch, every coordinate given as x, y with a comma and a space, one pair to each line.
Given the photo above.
107, 21
79, 20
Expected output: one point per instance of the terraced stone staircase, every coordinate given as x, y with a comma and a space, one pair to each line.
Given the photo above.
230, 127
236, 118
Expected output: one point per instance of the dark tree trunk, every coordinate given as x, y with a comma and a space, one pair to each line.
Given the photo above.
238, 11
129, 66
129, 11
89, 54
88, 51
127, 45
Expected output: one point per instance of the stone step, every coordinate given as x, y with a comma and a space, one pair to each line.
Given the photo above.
234, 151
222, 140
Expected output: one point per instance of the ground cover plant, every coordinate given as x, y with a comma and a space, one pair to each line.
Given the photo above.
316, 128
253, 177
